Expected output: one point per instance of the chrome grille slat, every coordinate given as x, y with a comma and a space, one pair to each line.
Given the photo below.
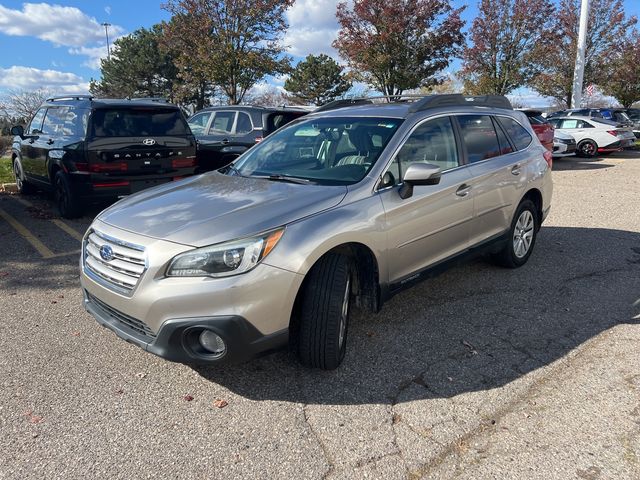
134, 324
123, 272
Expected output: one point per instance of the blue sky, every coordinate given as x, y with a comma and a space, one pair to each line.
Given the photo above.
58, 44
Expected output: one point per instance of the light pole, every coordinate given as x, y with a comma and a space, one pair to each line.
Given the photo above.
578, 72
106, 33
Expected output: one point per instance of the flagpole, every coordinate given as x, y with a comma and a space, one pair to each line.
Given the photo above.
578, 73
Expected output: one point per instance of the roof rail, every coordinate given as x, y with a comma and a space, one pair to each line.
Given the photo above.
347, 102
458, 100
149, 99
69, 97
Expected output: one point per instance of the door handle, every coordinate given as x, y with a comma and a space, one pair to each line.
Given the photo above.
515, 170
225, 141
463, 190
50, 141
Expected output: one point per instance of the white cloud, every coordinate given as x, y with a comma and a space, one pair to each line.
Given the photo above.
66, 26
312, 28
62, 26
94, 54
29, 78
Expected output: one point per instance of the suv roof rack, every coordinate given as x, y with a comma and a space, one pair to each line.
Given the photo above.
149, 99
69, 97
423, 102
459, 100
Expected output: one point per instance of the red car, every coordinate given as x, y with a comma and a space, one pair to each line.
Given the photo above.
541, 127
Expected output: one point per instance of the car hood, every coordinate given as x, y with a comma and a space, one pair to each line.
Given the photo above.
214, 208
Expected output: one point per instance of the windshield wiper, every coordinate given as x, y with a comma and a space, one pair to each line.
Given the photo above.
231, 168
285, 178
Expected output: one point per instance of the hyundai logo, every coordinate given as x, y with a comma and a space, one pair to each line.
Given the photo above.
149, 141
106, 252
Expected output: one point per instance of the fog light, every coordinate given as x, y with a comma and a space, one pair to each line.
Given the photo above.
212, 343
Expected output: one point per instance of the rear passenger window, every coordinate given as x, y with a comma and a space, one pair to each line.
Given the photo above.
479, 137
518, 134
54, 121
243, 125
432, 142
222, 122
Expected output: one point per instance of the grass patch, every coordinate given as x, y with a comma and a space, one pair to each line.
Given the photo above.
6, 174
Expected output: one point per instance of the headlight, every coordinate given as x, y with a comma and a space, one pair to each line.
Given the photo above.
224, 259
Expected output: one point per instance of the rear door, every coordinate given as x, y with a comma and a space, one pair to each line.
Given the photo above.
150, 145
496, 169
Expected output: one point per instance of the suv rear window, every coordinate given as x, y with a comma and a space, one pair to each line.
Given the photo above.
138, 122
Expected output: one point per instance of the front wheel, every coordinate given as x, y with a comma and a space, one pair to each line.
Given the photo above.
22, 185
522, 236
324, 313
587, 148
66, 201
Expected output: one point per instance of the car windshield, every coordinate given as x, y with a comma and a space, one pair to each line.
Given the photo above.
325, 151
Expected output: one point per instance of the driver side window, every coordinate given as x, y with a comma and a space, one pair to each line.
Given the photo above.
36, 123
432, 142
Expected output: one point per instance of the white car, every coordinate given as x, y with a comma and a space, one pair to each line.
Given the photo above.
594, 136
564, 145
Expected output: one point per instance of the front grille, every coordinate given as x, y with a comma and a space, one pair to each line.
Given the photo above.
121, 269
140, 328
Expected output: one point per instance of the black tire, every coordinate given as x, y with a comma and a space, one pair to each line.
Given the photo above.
323, 313
587, 149
66, 201
24, 187
509, 256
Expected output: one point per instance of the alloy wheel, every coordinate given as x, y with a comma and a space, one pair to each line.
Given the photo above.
523, 234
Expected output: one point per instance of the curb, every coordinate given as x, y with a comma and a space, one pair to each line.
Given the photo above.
8, 188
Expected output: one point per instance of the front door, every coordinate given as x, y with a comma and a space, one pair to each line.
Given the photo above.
432, 224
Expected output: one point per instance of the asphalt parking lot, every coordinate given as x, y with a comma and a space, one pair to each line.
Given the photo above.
481, 372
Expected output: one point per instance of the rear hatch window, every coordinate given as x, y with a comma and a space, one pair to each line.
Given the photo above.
138, 122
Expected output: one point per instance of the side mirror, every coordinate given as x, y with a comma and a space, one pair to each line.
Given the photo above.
419, 174
17, 131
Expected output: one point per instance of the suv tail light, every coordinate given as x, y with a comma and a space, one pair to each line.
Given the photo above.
548, 157
613, 132
183, 162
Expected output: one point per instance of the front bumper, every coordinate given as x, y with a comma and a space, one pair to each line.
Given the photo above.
250, 312
172, 341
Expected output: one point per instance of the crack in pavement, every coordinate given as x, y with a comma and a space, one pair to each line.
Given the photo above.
328, 458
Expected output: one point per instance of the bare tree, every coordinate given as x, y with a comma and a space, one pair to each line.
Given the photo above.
22, 104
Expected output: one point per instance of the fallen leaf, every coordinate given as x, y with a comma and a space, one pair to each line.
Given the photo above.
75, 334
4, 274
370, 334
53, 301
60, 296
35, 418
219, 403
119, 391
141, 374
187, 398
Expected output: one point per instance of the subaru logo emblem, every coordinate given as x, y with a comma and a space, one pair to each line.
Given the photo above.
149, 141
106, 252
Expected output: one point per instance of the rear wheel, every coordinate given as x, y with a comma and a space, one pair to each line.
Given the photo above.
324, 313
22, 185
522, 236
66, 201
587, 148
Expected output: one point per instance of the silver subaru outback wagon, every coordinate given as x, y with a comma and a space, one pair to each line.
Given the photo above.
346, 206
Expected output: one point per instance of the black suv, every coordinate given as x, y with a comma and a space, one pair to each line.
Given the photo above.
225, 132
93, 150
